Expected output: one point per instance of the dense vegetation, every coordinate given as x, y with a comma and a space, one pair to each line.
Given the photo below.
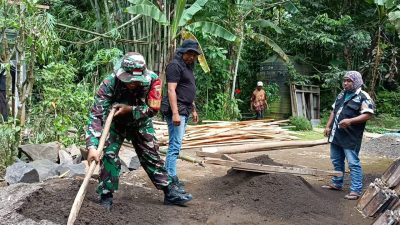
68, 48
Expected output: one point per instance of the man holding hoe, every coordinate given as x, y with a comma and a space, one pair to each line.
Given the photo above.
135, 93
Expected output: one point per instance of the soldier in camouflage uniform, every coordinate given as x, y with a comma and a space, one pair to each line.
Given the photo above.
135, 92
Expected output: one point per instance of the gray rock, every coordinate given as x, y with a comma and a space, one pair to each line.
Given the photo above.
74, 169
21, 172
73, 150
387, 145
84, 152
129, 159
75, 153
45, 168
41, 151
65, 157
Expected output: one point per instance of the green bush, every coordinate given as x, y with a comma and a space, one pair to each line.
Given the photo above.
61, 106
300, 123
383, 123
388, 103
9, 139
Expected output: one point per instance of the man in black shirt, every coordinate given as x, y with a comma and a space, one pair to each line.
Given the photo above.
179, 103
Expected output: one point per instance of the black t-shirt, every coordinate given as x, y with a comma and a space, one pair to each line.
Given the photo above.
180, 73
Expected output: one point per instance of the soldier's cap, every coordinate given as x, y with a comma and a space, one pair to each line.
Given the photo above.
133, 66
189, 45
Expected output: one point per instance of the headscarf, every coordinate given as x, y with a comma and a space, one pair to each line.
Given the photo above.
356, 78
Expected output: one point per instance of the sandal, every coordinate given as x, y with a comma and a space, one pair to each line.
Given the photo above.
331, 187
352, 196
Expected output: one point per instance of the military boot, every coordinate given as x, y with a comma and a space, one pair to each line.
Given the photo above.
178, 185
173, 197
106, 200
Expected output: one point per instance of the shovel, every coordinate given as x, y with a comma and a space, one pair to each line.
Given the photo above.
82, 190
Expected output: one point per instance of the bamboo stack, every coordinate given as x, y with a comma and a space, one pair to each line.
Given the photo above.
224, 133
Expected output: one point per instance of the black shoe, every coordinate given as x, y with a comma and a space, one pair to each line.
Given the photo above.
177, 181
173, 197
106, 200
178, 185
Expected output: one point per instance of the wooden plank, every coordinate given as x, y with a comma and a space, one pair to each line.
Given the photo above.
209, 154
272, 169
387, 218
263, 146
228, 157
391, 176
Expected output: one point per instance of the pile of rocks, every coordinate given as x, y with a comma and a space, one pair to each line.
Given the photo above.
51, 160
388, 145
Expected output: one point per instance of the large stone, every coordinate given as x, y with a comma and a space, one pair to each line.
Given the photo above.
74, 170
129, 158
45, 168
41, 151
75, 153
65, 157
21, 172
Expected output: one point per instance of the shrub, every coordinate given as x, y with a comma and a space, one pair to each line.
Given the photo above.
9, 139
387, 102
300, 123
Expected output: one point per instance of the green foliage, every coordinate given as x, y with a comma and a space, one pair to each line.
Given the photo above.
309, 135
383, 123
62, 106
300, 123
388, 103
222, 107
272, 91
102, 58
148, 10
212, 99
212, 29
9, 139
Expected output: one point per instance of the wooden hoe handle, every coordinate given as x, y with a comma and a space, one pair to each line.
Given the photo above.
82, 190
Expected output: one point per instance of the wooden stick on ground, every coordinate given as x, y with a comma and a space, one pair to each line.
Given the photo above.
82, 190
261, 168
234, 149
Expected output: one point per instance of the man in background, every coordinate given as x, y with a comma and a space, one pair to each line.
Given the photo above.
259, 101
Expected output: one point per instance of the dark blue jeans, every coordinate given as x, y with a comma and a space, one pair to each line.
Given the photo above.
338, 156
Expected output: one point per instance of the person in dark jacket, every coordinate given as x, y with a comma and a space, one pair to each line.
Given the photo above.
179, 104
345, 127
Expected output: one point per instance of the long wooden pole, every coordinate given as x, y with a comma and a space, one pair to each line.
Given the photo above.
82, 190
234, 149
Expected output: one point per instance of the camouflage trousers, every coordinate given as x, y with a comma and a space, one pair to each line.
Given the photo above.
144, 141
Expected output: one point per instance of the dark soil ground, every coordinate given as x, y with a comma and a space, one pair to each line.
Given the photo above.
235, 198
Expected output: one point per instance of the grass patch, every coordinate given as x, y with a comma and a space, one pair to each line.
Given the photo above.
309, 135
383, 123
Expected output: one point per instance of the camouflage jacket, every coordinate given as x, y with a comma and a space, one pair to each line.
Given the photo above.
145, 101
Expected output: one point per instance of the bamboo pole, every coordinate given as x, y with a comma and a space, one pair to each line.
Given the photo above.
82, 190
185, 157
234, 149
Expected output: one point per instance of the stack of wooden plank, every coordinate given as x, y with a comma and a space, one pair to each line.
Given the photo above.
222, 133
381, 199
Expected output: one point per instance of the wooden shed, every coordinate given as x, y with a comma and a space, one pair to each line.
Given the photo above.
275, 70
295, 100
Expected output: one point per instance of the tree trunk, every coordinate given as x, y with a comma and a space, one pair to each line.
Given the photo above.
237, 62
377, 60
27, 86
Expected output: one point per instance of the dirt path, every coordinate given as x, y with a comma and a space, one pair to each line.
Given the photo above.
219, 198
